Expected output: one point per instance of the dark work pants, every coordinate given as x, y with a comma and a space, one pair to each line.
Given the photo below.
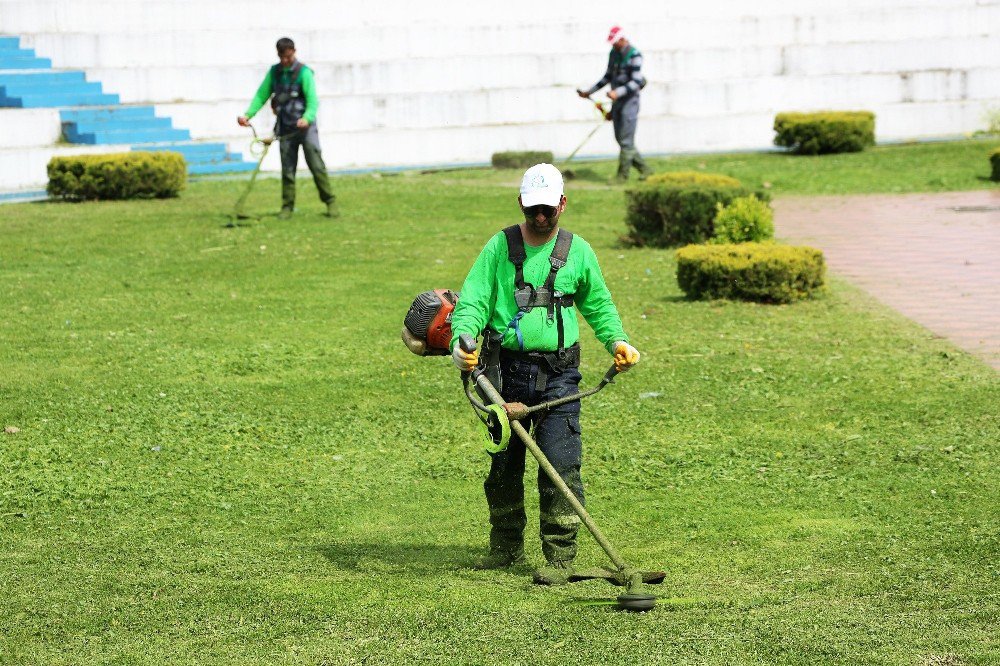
309, 140
558, 435
625, 118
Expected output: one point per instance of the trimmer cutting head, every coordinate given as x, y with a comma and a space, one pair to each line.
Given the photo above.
636, 602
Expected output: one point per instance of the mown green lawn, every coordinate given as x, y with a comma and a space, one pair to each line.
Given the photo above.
226, 456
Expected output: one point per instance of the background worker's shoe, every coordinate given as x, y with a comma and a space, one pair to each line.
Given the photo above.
499, 560
557, 572
332, 210
285, 214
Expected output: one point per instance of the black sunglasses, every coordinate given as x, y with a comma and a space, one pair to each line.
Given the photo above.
547, 211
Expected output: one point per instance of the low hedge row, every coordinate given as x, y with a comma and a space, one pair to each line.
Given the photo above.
763, 272
520, 159
825, 131
133, 175
678, 208
995, 164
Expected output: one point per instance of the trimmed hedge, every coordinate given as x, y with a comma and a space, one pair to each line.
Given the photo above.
763, 272
825, 131
675, 209
133, 175
995, 163
745, 220
523, 159
693, 178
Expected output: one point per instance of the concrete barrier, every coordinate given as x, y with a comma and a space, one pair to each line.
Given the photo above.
423, 83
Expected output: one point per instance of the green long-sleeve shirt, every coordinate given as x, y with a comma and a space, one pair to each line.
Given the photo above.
487, 297
308, 81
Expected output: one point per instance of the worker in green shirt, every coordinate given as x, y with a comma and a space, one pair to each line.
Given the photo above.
291, 87
522, 294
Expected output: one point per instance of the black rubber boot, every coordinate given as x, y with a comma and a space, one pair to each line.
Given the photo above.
499, 559
554, 573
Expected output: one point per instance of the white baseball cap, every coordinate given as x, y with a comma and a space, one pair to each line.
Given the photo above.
542, 184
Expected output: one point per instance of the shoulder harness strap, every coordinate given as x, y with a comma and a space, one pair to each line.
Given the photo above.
526, 296
516, 253
296, 70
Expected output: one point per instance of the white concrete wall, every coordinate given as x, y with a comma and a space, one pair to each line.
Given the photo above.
405, 82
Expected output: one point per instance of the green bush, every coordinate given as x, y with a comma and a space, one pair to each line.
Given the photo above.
134, 175
825, 132
746, 219
995, 163
520, 159
675, 209
763, 272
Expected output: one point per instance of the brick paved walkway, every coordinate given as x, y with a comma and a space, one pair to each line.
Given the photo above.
933, 257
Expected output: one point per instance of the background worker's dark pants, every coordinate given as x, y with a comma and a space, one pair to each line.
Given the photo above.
625, 117
558, 435
309, 140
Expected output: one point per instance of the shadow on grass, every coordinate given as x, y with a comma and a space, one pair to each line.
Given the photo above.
399, 557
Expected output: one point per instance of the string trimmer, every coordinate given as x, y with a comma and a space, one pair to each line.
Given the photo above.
605, 114
258, 149
427, 331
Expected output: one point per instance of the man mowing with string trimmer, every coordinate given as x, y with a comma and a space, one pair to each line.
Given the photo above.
522, 294
291, 87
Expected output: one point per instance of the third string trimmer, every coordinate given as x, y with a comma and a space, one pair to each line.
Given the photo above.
605, 114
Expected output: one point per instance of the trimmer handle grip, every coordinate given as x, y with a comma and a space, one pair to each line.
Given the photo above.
467, 343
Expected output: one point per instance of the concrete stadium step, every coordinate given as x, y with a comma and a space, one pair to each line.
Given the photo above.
25, 167
57, 99
204, 158
32, 88
109, 113
41, 77
118, 124
29, 128
220, 167
197, 151
125, 135
14, 60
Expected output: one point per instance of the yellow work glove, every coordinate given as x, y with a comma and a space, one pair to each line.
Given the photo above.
625, 356
463, 360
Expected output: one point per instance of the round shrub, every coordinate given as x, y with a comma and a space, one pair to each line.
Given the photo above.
825, 131
520, 159
674, 209
763, 272
746, 219
995, 164
134, 175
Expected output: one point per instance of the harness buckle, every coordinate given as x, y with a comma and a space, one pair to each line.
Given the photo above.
524, 297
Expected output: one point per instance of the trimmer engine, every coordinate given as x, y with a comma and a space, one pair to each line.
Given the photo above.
427, 326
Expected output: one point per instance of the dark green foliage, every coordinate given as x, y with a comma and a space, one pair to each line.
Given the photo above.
133, 175
520, 159
995, 164
762, 272
666, 212
825, 132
